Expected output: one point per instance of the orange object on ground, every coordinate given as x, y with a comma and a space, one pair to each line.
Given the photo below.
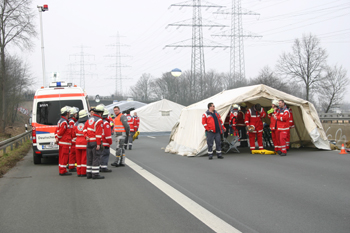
342, 151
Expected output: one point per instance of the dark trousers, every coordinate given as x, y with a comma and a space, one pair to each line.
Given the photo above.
211, 137
129, 140
92, 159
227, 131
104, 158
243, 136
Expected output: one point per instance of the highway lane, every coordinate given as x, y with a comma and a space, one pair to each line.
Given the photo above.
33, 198
306, 191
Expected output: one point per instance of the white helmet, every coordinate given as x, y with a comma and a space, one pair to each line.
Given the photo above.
100, 108
82, 113
73, 110
64, 110
275, 102
235, 106
105, 113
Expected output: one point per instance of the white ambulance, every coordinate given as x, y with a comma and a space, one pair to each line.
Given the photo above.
46, 113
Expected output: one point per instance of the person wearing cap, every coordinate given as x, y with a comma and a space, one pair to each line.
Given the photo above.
63, 139
271, 113
93, 135
121, 130
107, 142
253, 120
241, 125
80, 143
131, 122
282, 118
72, 154
214, 128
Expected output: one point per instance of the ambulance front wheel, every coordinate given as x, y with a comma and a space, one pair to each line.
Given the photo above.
36, 158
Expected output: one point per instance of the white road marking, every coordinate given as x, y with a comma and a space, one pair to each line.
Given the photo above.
151, 137
204, 215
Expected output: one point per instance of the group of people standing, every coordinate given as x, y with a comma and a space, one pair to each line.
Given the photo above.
241, 122
85, 140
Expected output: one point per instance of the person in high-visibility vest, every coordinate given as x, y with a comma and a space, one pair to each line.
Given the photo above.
121, 130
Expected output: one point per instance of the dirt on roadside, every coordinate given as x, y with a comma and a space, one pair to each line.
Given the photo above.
10, 159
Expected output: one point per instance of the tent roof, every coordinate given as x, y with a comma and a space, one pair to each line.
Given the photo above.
152, 118
125, 105
188, 138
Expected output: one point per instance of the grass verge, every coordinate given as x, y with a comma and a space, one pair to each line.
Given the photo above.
10, 159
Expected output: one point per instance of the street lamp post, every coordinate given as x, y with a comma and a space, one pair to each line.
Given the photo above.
42, 9
176, 73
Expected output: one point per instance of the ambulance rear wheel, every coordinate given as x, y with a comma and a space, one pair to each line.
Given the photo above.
36, 158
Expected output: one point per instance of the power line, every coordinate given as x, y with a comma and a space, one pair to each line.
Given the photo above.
197, 45
237, 63
118, 65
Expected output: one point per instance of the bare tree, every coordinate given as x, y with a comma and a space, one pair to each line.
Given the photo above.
269, 78
142, 89
305, 63
333, 88
16, 28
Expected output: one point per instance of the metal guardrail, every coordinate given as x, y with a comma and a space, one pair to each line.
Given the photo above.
15, 141
335, 117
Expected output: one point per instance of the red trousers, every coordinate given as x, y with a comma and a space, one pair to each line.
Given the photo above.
252, 140
288, 140
63, 153
81, 161
282, 140
274, 139
235, 131
72, 157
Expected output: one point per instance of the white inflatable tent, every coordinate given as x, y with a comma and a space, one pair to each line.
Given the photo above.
188, 135
159, 116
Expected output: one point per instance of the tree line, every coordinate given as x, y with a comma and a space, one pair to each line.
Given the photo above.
16, 30
303, 72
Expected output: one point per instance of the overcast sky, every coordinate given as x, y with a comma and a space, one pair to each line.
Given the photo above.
93, 25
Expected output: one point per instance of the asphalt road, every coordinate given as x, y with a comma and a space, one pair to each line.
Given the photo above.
306, 191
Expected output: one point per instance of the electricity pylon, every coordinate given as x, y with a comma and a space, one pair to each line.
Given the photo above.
197, 45
237, 63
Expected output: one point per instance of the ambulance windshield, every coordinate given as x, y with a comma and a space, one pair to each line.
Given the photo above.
49, 112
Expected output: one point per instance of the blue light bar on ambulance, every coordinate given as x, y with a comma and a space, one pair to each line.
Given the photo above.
59, 84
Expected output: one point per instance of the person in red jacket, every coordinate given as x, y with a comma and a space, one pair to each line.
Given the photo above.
214, 127
80, 143
137, 122
282, 117
107, 142
72, 154
63, 139
93, 135
253, 120
291, 126
233, 119
271, 113
131, 122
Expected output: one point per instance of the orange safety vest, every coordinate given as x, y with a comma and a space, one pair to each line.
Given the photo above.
118, 125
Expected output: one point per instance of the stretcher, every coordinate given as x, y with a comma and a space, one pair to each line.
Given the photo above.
264, 152
229, 143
